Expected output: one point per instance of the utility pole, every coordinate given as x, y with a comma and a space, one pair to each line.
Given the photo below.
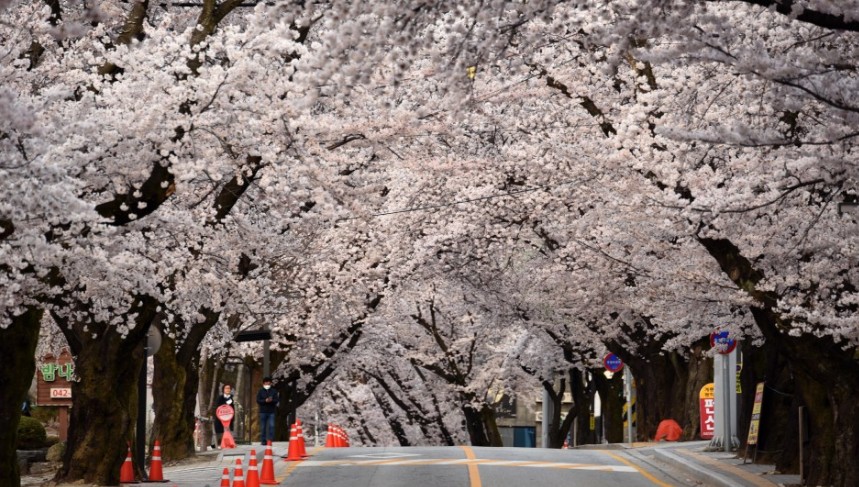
725, 385
547, 415
627, 392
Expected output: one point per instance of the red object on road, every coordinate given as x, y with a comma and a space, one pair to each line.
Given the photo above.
669, 430
252, 478
126, 474
302, 447
329, 438
293, 454
225, 478
156, 470
238, 475
225, 414
268, 467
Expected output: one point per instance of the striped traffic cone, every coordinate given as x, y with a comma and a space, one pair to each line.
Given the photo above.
252, 479
238, 476
335, 441
225, 478
341, 440
302, 448
156, 468
329, 437
126, 474
268, 467
292, 454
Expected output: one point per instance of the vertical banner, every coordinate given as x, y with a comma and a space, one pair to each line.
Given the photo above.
756, 415
708, 411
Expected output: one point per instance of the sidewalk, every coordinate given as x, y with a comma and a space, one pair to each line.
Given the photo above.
209, 471
718, 468
204, 469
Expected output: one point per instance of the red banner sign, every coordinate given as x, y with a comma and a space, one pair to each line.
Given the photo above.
708, 411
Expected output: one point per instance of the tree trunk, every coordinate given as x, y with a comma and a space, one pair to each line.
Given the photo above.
104, 408
104, 394
661, 387
491, 426
174, 392
697, 369
778, 432
18, 348
583, 402
174, 387
558, 435
611, 405
475, 426
287, 407
206, 390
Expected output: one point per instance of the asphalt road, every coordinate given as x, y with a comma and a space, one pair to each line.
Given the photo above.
468, 467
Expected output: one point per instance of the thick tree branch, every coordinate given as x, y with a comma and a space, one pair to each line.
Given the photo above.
154, 191
235, 188
820, 19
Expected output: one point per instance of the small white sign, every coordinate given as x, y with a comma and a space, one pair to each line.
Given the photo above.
61, 393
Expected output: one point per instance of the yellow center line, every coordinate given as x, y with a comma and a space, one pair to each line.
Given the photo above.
643, 472
293, 465
473, 472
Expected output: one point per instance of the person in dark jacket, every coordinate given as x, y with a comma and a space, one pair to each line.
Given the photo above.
267, 398
228, 399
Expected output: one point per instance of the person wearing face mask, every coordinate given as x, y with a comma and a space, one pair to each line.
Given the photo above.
267, 398
225, 398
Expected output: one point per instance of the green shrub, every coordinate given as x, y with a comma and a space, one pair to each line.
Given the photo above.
45, 414
31, 434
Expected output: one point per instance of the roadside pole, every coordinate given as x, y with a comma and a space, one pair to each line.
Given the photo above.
725, 382
151, 345
547, 413
627, 392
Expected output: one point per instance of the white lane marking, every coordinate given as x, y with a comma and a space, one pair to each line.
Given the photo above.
386, 456
453, 462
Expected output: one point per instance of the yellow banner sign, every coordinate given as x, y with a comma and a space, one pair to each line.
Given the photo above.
756, 415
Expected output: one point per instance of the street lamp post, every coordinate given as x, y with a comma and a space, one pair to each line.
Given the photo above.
263, 335
150, 348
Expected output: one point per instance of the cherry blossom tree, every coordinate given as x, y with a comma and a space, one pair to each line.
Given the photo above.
626, 174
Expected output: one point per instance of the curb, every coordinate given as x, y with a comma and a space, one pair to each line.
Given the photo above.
698, 472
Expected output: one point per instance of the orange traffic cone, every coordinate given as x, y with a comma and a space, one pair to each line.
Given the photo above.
302, 448
292, 454
238, 475
252, 479
156, 469
335, 442
225, 478
329, 437
126, 474
339, 437
268, 467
